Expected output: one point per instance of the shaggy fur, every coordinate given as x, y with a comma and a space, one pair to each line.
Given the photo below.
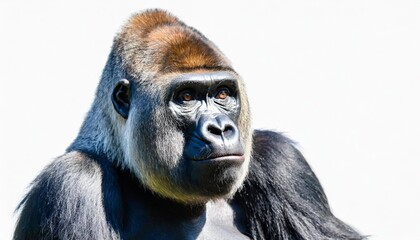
283, 198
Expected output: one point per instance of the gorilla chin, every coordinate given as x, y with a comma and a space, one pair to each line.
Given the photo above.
218, 176
195, 182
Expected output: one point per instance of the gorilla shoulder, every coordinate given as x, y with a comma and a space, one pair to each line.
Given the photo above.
66, 201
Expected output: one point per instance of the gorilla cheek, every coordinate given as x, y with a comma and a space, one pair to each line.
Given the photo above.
159, 154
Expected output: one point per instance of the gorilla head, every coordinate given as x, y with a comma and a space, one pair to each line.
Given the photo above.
176, 110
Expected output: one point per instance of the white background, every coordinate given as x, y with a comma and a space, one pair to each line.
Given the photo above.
339, 77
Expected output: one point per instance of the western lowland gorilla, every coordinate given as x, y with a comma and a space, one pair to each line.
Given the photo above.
166, 152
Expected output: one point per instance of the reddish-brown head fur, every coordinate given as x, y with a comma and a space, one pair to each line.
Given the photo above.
158, 42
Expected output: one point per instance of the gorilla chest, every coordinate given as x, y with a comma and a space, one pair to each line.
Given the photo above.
210, 231
221, 232
220, 222
216, 222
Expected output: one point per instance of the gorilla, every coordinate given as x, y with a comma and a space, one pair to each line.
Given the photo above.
167, 152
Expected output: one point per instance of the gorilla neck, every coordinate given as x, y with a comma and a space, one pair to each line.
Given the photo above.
97, 135
144, 209
156, 205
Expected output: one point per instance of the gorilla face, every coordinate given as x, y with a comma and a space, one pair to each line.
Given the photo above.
182, 118
182, 137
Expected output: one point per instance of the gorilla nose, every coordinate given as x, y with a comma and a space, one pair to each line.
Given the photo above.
218, 129
224, 131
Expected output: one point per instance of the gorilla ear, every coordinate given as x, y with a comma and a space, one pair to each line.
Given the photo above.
121, 98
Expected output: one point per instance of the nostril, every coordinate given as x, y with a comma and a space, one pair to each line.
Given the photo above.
228, 130
214, 130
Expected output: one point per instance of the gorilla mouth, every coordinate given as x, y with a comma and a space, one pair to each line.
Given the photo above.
223, 158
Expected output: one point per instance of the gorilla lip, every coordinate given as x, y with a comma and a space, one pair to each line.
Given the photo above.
225, 158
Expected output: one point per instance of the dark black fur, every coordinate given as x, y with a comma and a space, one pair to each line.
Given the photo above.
282, 196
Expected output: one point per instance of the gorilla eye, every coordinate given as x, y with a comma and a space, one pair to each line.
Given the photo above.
186, 96
223, 93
